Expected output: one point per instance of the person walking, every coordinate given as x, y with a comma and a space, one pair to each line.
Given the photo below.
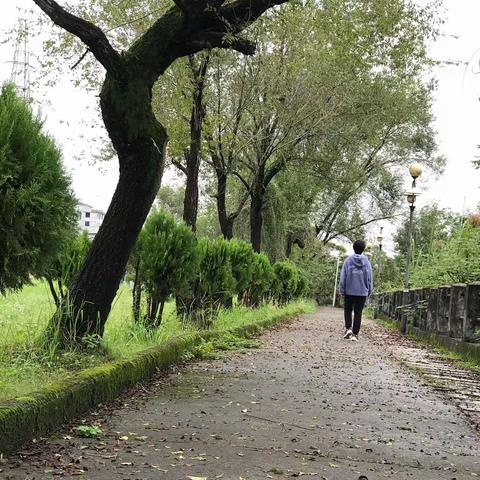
356, 283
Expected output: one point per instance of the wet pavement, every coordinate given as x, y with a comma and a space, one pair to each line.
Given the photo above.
305, 404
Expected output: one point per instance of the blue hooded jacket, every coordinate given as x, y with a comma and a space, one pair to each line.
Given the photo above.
356, 277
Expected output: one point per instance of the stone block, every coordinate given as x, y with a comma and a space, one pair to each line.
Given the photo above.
423, 294
471, 323
432, 310
456, 313
443, 307
415, 314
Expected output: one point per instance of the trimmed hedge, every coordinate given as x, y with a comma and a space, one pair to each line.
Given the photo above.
205, 274
29, 417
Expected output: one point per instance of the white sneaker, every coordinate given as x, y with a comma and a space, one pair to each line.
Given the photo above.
354, 338
348, 334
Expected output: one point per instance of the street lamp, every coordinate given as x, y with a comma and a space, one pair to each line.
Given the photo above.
415, 171
380, 245
336, 254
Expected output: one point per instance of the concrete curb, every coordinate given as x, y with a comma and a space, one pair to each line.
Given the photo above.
25, 418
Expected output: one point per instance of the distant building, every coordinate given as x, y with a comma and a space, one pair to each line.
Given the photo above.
89, 218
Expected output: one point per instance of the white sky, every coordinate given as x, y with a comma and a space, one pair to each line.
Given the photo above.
457, 112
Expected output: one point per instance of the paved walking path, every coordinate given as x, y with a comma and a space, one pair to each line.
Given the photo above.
305, 403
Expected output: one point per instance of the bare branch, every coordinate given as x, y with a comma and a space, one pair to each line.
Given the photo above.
220, 40
79, 61
91, 35
377, 219
245, 183
180, 166
232, 216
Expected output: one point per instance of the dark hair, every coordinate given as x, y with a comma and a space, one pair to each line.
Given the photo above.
359, 246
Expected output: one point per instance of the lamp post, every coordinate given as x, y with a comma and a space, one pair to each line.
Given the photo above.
337, 254
415, 171
380, 245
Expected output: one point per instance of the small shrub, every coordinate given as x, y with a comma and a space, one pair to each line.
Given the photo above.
242, 258
262, 278
303, 285
286, 281
169, 260
215, 283
66, 264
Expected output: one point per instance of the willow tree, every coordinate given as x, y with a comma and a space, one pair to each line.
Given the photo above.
137, 136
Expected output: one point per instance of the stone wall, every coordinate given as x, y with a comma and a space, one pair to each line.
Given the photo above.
448, 310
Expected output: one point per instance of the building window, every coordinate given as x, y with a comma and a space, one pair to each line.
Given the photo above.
87, 214
87, 224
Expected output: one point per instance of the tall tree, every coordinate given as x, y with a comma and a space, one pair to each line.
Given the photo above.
137, 135
187, 94
347, 107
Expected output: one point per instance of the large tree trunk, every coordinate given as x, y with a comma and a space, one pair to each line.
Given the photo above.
140, 142
256, 221
257, 200
226, 222
192, 157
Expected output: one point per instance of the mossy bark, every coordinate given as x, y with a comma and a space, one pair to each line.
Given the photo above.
140, 142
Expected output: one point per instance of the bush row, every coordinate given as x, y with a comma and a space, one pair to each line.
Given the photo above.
203, 274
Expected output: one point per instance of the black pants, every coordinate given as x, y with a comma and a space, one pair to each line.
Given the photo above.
355, 303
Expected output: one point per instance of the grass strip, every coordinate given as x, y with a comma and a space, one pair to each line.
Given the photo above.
28, 417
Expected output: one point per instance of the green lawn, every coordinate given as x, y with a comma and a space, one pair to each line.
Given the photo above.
24, 367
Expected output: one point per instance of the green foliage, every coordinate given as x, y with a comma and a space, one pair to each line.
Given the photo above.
319, 266
242, 258
67, 263
215, 279
170, 199
88, 431
262, 279
432, 226
387, 274
209, 350
456, 260
37, 206
302, 285
169, 260
285, 283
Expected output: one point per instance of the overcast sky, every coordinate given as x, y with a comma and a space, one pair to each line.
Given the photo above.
457, 112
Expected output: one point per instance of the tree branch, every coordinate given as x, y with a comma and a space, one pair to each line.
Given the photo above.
232, 216
181, 167
245, 183
343, 232
91, 35
170, 37
220, 40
